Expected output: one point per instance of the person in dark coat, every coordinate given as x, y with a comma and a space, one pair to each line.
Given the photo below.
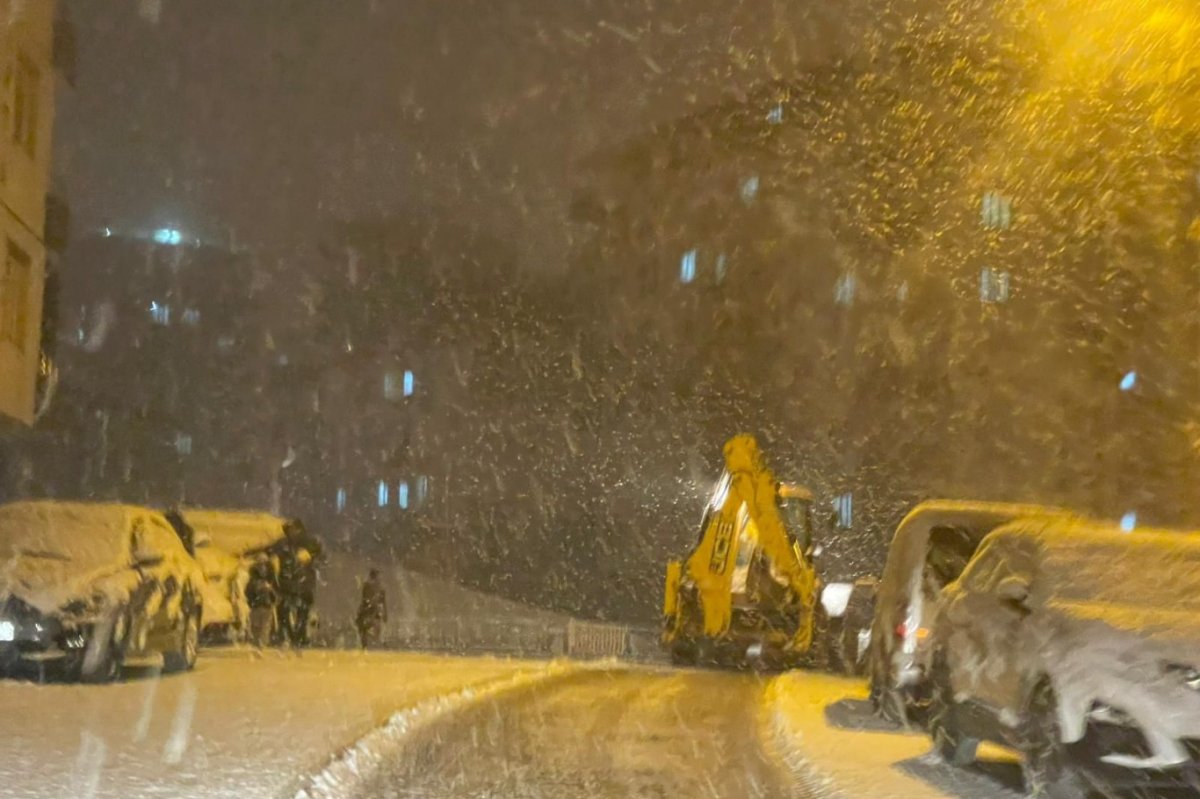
299, 552
262, 596
372, 611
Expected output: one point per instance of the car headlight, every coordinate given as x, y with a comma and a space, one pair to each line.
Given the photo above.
1188, 675
8, 630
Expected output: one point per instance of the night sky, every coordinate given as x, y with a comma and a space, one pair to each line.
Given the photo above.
264, 117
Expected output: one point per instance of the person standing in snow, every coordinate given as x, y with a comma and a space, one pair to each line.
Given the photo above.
372, 611
298, 580
262, 597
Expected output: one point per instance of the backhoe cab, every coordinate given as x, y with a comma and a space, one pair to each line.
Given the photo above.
748, 590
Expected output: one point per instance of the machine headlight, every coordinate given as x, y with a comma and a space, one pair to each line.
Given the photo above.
8, 630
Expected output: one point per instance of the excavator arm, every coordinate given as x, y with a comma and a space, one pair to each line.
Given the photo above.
746, 493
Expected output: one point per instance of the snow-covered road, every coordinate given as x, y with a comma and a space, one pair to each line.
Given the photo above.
248, 725
241, 725
605, 734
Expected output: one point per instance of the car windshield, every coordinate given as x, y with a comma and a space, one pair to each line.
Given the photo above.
420, 333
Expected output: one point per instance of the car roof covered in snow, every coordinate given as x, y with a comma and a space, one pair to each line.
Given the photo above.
1079, 560
908, 546
972, 514
237, 532
83, 532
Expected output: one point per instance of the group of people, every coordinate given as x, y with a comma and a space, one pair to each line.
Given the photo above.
280, 594
281, 588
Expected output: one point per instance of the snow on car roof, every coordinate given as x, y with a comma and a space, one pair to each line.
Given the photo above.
969, 513
1081, 560
88, 533
236, 531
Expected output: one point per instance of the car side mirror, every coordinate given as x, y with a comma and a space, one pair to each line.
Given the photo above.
1014, 591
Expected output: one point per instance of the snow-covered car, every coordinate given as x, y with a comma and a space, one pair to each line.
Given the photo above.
226, 543
1078, 645
225, 576
88, 587
931, 547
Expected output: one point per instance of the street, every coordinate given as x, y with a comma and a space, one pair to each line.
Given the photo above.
617, 733
245, 724
240, 725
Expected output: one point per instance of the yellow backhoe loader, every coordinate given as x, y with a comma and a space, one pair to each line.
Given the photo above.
748, 592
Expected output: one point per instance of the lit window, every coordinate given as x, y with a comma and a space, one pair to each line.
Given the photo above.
383, 493
191, 316
1129, 521
398, 384
993, 285
843, 292
722, 268
340, 500
1129, 381
775, 115
750, 188
996, 211
687, 267
168, 235
422, 489
160, 314
183, 443
843, 508
402, 494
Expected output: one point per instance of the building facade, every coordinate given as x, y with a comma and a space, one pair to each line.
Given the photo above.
27, 89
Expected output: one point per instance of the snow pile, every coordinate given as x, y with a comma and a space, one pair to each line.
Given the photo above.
353, 767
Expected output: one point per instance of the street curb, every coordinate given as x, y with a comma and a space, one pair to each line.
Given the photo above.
346, 773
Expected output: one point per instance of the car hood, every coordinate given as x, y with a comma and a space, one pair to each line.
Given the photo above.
1169, 630
47, 584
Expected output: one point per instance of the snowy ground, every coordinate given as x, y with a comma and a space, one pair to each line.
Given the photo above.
241, 725
829, 736
247, 725
598, 734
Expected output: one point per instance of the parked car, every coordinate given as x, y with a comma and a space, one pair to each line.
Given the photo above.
226, 543
226, 615
931, 547
1078, 645
87, 587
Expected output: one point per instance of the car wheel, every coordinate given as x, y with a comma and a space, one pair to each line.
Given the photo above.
184, 658
948, 741
1048, 772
